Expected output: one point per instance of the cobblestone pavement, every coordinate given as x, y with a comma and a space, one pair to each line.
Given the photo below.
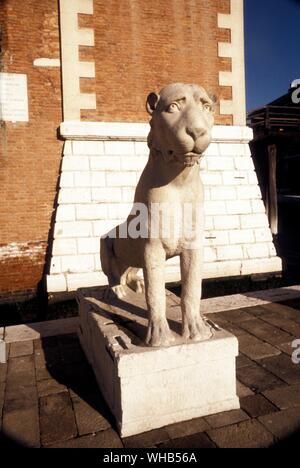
49, 397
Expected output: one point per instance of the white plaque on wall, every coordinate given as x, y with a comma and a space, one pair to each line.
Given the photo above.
13, 97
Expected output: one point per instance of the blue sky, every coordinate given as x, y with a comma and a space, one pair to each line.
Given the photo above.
272, 46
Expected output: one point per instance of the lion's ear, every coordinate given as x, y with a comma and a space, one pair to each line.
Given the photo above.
151, 103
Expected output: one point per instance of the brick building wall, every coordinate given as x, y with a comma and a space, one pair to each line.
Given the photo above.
30, 151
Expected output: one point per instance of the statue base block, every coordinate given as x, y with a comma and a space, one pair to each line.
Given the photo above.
147, 388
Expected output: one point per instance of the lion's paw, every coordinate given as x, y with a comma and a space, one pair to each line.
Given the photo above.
115, 292
159, 334
196, 329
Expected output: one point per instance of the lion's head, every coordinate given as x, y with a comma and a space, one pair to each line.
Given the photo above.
182, 118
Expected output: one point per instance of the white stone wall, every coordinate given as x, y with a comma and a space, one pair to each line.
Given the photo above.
100, 168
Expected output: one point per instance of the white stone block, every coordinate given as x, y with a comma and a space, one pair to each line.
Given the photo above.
133, 163
235, 178
88, 245
263, 235
258, 206
119, 210
211, 178
232, 149
81, 280
92, 211
241, 236
220, 163
121, 179
212, 150
252, 178
256, 250
238, 207
105, 163
77, 263
74, 195
244, 163
97, 262
128, 194
56, 283
214, 238
102, 227
64, 247
206, 193
73, 229
210, 254
75, 163
55, 265
223, 193
251, 221
106, 194
82, 179
209, 223
249, 192
230, 252
141, 148
122, 367
66, 179
65, 213
98, 179
119, 148
222, 269
68, 148
227, 222
3, 352
212, 208
266, 265
85, 148
272, 250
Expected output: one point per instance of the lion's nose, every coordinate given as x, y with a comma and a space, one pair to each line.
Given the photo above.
196, 132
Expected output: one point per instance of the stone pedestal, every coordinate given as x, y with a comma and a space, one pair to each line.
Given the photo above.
147, 388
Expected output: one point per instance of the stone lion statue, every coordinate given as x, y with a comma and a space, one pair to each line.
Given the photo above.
181, 122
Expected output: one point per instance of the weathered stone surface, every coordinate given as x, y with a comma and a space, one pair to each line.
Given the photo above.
283, 367
236, 316
3, 371
266, 332
282, 424
257, 405
284, 397
147, 439
200, 440
22, 425
257, 378
243, 361
88, 419
254, 348
21, 348
20, 372
56, 418
186, 428
241, 390
50, 386
103, 439
227, 418
275, 319
247, 434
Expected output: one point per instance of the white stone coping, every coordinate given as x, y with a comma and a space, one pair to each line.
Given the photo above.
74, 130
37, 330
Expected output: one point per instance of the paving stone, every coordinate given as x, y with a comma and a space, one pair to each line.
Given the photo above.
256, 311
70, 339
186, 428
21, 423
283, 311
45, 342
226, 418
284, 397
266, 332
18, 390
103, 439
50, 386
20, 371
283, 423
72, 354
3, 371
283, 367
247, 434
20, 348
56, 418
146, 439
284, 323
257, 378
48, 355
257, 405
235, 330
242, 390
89, 419
286, 348
236, 316
200, 440
243, 361
254, 348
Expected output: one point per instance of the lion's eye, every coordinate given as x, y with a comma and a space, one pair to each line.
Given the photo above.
207, 107
174, 107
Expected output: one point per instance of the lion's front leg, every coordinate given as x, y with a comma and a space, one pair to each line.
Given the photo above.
158, 333
193, 325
